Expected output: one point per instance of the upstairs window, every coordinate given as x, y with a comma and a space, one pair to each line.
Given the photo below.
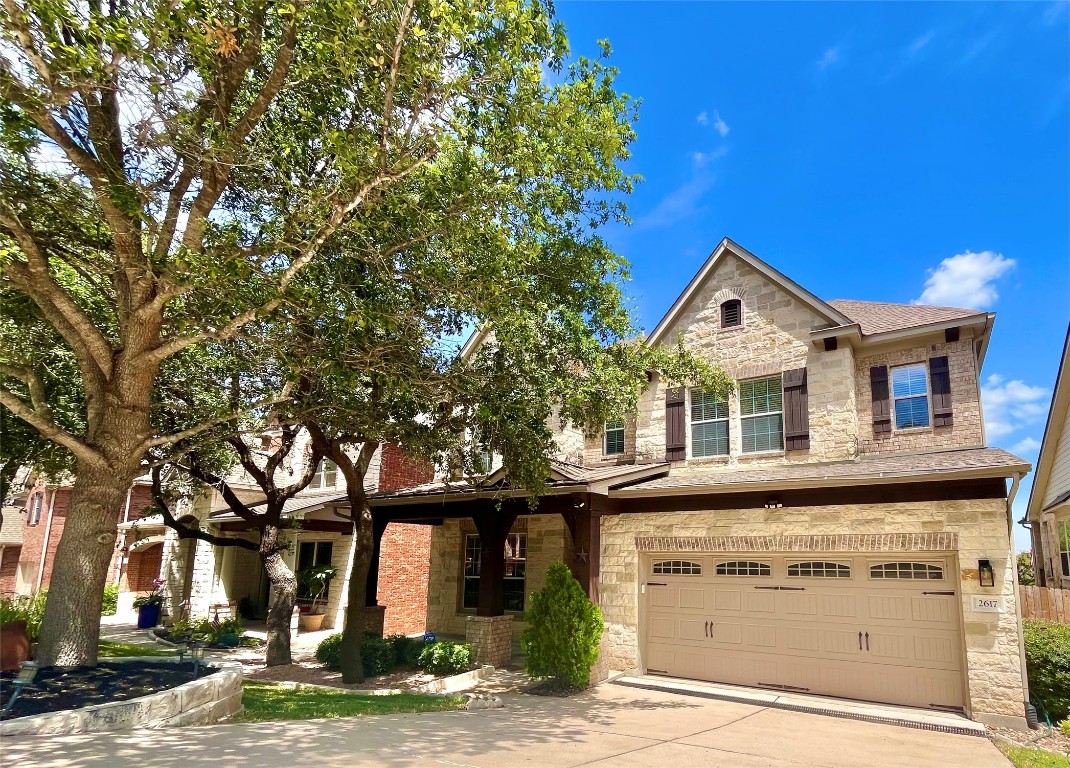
709, 425
326, 476
614, 441
761, 410
36, 503
910, 396
731, 313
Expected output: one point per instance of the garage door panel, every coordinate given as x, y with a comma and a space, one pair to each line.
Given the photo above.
804, 632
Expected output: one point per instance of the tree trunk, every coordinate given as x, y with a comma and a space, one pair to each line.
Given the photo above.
283, 598
353, 632
70, 628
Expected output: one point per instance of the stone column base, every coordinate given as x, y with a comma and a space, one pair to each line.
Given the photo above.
600, 670
491, 637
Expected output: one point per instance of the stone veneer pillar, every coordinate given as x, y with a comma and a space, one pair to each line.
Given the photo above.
600, 670
491, 637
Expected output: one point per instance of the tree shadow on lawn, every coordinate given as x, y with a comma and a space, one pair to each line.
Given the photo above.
526, 724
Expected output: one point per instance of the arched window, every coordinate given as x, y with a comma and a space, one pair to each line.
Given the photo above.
731, 313
819, 570
678, 568
924, 571
743, 568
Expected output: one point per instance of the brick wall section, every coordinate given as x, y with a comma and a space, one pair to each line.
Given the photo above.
142, 568
9, 566
33, 536
965, 432
398, 470
993, 664
404, 571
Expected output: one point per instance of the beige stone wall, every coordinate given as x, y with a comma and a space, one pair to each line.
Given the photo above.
967, 429
774, 337
548, 542
991, 640
594, 448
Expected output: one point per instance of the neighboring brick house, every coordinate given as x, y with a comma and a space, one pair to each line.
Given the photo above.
831, 526
33, 526
1048, 514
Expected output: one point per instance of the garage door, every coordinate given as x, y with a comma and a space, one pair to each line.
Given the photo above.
876, 628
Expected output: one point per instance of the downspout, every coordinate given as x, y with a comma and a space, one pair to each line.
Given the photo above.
44, 544
1030, 714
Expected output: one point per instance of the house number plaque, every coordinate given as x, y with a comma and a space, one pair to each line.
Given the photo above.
986, 604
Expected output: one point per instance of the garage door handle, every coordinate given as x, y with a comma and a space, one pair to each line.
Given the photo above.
656, 584
938, 593
707, 629
867, 641
767, 587
859, 641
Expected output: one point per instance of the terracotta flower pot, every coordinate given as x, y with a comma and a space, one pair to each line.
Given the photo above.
14, 645
312, 622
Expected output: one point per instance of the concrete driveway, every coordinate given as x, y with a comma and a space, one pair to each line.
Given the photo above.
610, 726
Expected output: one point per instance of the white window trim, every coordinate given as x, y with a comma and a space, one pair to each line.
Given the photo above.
928, 395
689, 434
605, 438
739, 400
319, 480
1059, 523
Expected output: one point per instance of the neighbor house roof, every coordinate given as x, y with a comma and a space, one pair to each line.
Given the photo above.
1049, 446
884, 317
564, 477
303, 502
11, 530
919, 467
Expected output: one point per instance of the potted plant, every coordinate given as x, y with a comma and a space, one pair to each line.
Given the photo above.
148, 606
315, 579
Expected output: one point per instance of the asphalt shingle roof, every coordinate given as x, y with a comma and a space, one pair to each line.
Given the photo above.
882, 316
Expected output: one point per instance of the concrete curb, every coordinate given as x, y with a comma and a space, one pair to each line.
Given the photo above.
443, 687
198, 702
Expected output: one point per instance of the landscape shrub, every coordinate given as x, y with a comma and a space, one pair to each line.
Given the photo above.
445, 658
376, 654
1047, 655
111, 600
563, 632
407, 649
28, 608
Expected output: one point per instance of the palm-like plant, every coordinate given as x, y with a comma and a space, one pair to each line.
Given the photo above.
315, 579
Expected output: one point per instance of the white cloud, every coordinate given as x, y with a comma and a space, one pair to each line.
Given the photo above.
703, 118
915, 47
1026, 445
1011, 405
828, 58
685, 200
719, 124
966, 280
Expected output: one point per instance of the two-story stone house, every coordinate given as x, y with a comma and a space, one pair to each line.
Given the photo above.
831, 526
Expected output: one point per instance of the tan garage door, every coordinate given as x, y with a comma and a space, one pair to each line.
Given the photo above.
877, 628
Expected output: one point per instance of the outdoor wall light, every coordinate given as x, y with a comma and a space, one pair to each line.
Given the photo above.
987, 575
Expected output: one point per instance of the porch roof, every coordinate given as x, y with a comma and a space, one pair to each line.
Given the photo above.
303, 502
970, 463
564, 477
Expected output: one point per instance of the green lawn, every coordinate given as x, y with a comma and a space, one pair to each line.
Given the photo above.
271, 702
112, 648
1028, 757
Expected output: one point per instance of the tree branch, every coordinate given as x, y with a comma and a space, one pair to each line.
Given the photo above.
49, 430
185, 531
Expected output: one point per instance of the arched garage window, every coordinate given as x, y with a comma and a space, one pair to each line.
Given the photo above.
820, 570
924, 571
744, 568
678, 568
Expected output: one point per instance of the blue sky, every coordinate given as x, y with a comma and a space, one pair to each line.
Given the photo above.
891, 152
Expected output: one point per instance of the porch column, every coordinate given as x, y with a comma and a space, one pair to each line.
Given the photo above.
584, 524
379, 524
493, 527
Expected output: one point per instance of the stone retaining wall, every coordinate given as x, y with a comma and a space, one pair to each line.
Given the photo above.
198, 702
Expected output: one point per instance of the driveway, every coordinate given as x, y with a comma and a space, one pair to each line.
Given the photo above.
610, 726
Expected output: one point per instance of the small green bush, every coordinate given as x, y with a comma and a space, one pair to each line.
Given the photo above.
28, 608
444, 658
111, 600
376, 654
329, 651
407, 649
1047, 655
563, 632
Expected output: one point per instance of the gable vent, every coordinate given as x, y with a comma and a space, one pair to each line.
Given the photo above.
731, 313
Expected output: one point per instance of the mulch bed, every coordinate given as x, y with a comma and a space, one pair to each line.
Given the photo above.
59, 688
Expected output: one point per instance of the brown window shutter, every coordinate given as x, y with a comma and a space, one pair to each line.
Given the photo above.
882, 407
796, 411
940, 381
675, 434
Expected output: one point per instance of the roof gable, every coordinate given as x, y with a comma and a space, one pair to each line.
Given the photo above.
728, 249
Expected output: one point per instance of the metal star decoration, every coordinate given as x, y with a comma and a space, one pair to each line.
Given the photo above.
582, 555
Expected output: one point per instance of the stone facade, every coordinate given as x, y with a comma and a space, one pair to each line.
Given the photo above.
992, 656
967, 429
